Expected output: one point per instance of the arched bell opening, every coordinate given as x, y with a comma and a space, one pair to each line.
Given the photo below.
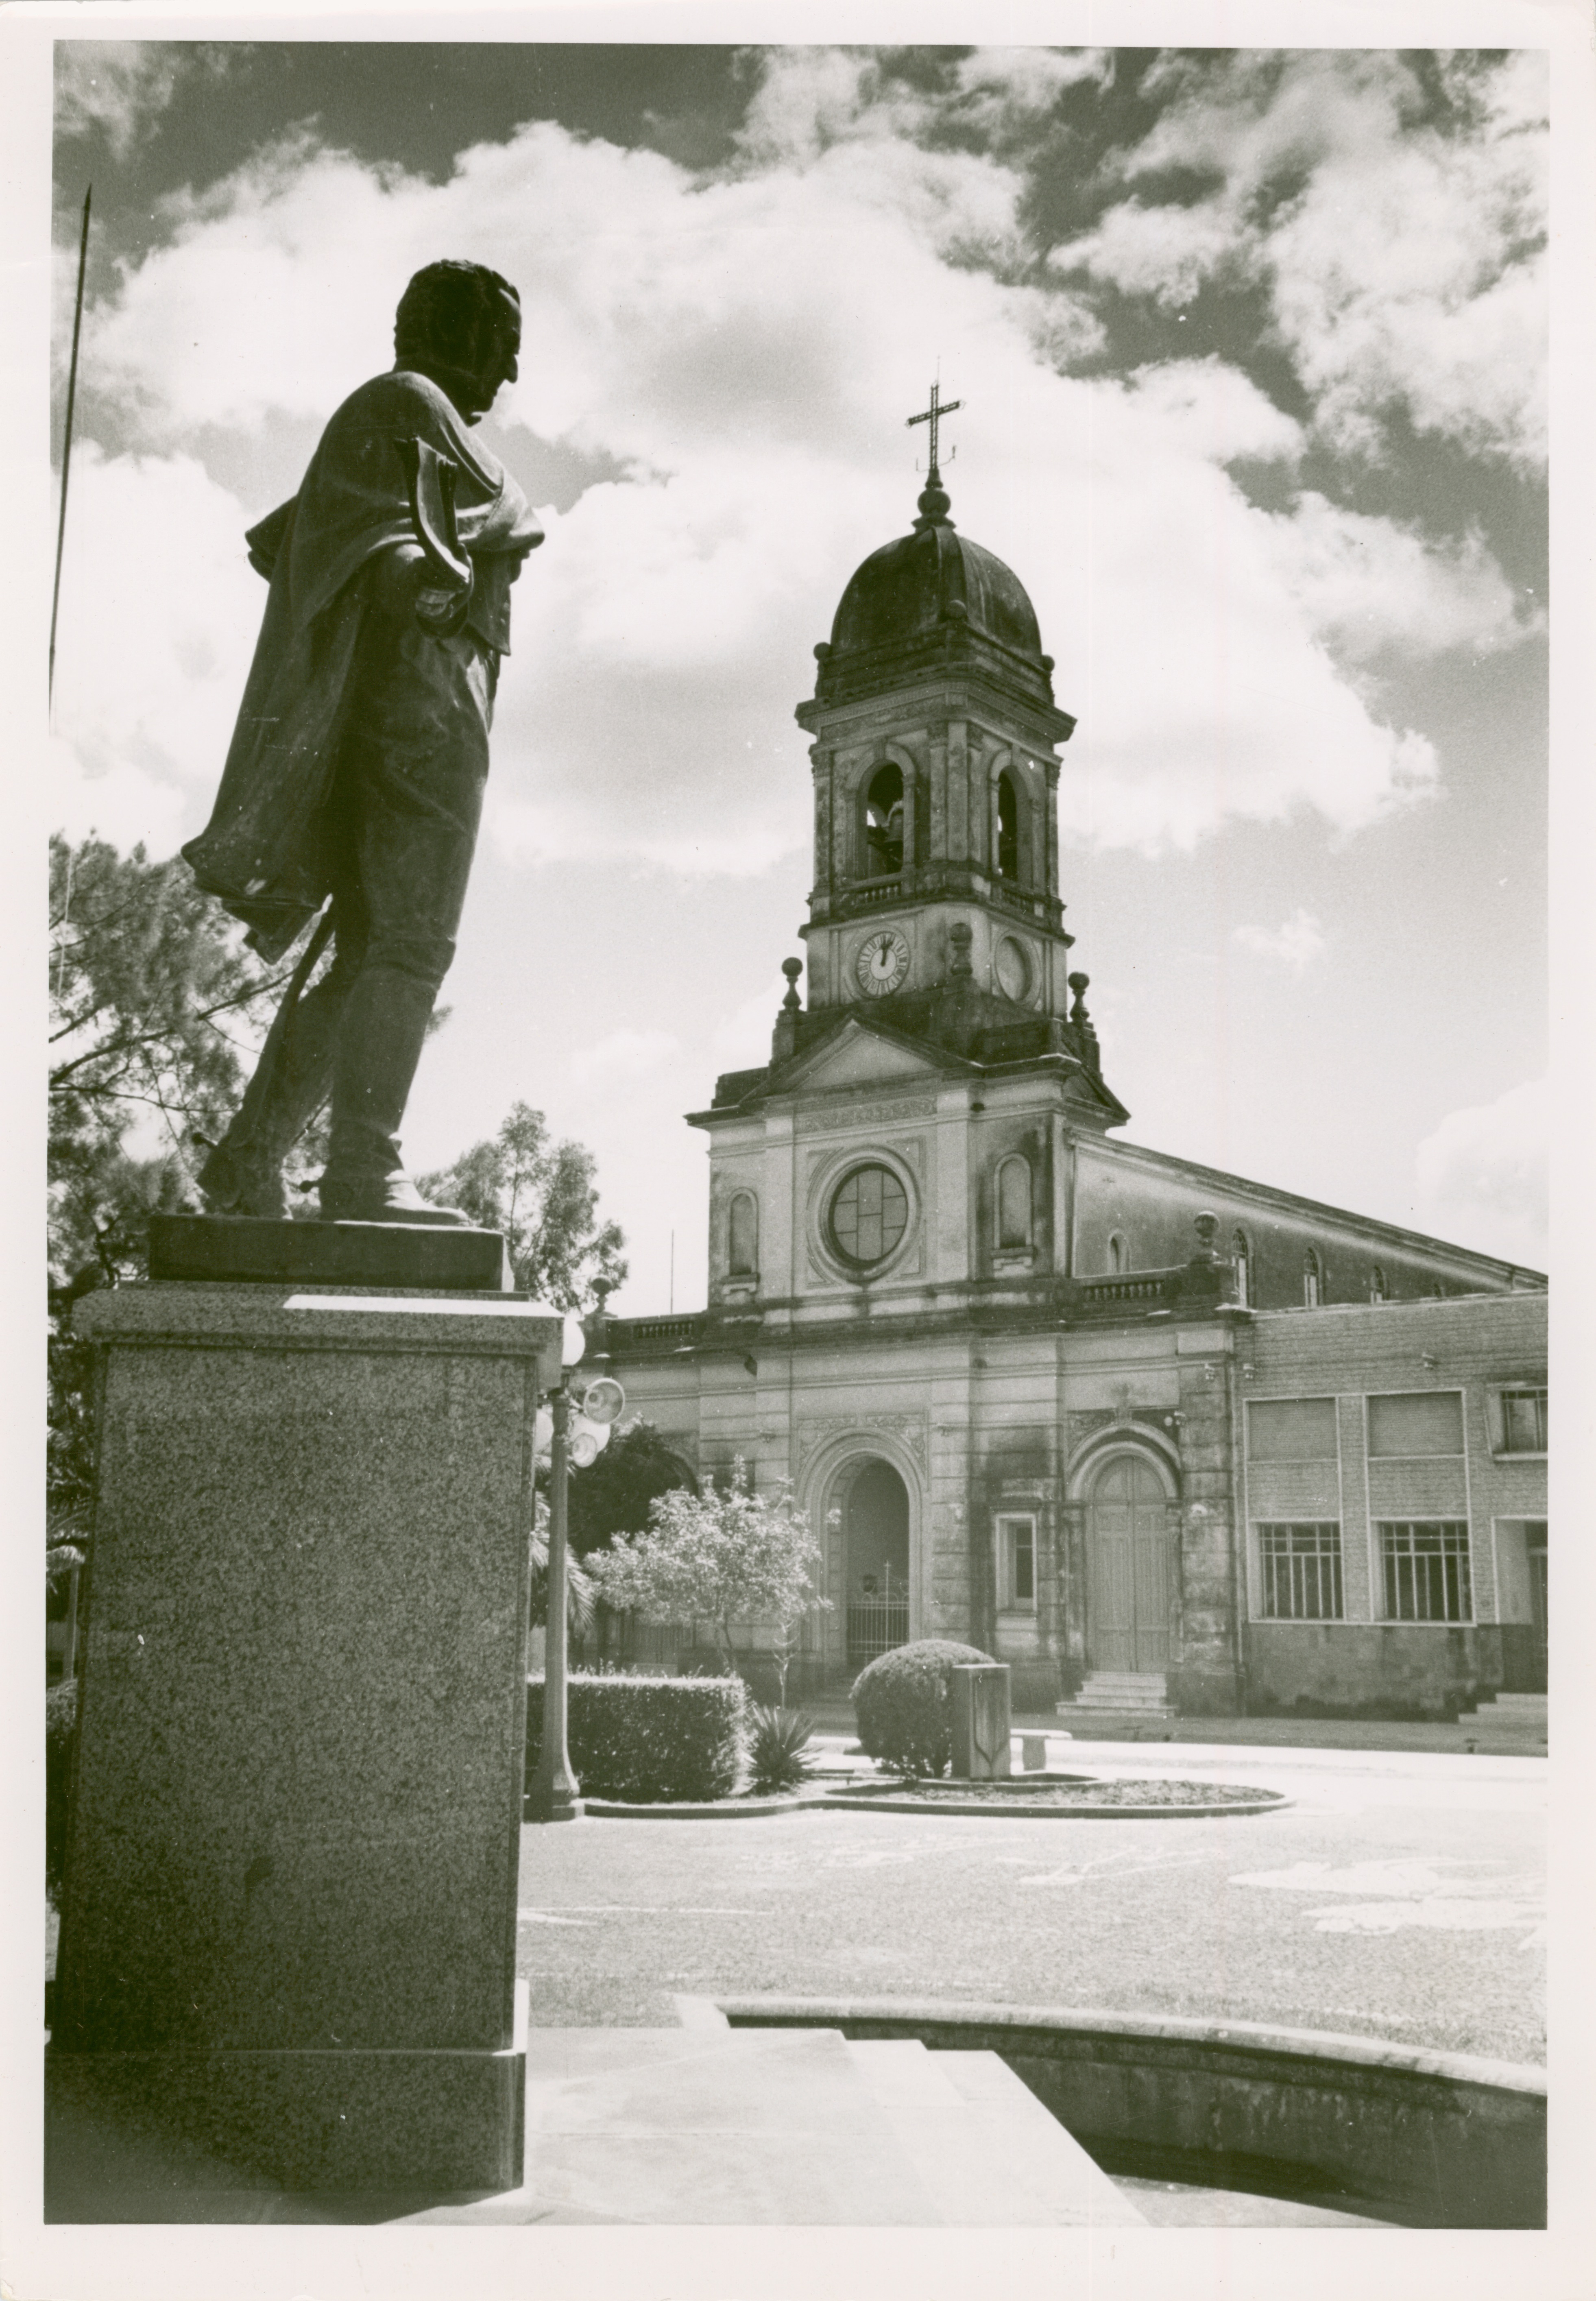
1008, 827
883, 823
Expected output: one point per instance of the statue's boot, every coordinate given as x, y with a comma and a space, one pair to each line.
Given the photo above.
380, 1044
292, 1080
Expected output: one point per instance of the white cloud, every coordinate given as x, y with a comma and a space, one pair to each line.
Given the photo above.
119, 86
1005, 91
1481, 1176
1296, 942
622, 1057
1404, 259
126, 805
1167, 253
159, 614
745, 349
1370, 585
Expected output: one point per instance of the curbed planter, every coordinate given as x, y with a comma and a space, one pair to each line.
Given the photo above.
996, 1799
1427, 2140
715, 1809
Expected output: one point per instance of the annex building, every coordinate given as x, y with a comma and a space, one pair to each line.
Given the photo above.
1108, 1414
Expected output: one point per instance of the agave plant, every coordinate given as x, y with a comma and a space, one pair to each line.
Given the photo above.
778, 1751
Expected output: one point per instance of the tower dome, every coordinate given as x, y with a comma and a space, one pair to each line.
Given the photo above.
929, 599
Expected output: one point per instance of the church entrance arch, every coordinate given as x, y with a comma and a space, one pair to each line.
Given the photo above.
875, 1529
1130, 1567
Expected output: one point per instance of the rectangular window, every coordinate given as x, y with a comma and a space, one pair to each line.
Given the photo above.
1016, 1564
1302, 1572
1416, 1422
1523, 1421
1425, 1567
1291, 1430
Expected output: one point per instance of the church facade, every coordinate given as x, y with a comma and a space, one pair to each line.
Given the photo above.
1133, 1426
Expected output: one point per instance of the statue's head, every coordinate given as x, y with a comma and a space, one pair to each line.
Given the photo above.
460, 323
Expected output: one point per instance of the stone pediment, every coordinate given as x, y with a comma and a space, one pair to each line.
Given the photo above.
861, 1055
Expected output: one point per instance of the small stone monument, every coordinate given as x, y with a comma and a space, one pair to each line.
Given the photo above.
980, 1720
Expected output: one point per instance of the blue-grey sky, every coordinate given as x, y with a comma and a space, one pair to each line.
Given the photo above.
1252, 349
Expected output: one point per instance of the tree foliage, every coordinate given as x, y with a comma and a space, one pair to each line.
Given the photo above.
540, 1195
578, 1590
612, 1495
725, 1556
156, 1008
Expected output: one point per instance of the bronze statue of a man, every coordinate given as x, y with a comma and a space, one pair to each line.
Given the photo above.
357, 766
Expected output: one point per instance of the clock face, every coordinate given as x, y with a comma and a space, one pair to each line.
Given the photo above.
882, 964
1012, 967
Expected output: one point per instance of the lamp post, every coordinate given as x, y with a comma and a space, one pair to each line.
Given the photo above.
553, 1796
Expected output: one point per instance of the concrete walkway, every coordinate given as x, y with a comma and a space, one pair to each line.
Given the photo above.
1400, 1896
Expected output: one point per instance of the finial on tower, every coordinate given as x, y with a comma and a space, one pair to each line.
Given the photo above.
784, 1037
935, 502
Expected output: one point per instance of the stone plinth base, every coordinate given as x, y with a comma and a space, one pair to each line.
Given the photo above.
291, 1868
435, 2121
206, 1248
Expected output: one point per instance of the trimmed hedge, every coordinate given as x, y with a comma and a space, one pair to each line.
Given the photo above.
904, 1703
648, 1740
61, 1736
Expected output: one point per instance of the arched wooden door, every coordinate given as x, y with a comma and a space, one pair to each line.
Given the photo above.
1128, 1579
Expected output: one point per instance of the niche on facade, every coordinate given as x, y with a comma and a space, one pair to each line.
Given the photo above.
1013, 1209
742, 1243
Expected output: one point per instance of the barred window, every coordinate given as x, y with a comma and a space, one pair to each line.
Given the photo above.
1302, 1572
1523, 1421
869, 1215
1425, 1565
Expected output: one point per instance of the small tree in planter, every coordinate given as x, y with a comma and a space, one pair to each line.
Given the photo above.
727, 1555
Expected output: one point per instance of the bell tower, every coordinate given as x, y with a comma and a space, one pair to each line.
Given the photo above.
935, 756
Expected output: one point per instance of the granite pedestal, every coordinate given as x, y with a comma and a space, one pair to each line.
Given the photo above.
290, 1889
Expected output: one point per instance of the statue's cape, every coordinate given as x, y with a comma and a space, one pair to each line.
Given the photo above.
262, 852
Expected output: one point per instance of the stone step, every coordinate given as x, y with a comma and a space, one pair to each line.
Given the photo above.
1140, 1693
732, 2126
987, 2153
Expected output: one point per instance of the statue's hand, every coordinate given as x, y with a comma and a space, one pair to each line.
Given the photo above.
441, 614
406, 585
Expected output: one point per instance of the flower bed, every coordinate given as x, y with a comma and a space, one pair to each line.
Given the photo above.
1082, 1791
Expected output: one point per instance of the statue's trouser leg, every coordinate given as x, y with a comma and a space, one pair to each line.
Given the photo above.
416, 765
291, 1082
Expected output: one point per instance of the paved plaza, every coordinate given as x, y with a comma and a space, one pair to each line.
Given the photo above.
1402, 1896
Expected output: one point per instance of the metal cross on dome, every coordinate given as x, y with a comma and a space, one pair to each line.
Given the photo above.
934, 415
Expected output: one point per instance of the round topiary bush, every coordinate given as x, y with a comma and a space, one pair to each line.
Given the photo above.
904, 1703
